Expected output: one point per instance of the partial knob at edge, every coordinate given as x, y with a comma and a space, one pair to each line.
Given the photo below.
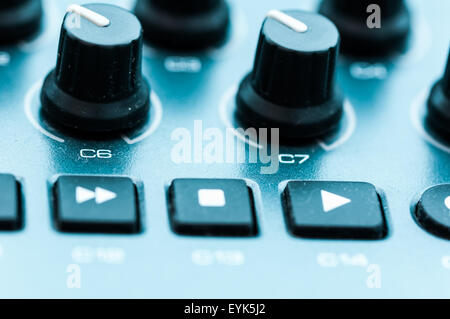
439, 103
361, 40
19, 19
182, 25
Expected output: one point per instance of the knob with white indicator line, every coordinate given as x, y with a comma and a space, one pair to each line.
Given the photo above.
292, 85
97, 84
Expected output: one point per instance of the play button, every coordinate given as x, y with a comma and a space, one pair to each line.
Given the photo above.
334, 210
331, 201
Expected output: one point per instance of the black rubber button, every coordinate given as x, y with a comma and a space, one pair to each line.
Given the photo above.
433, 210
334, 210
212, 207
96, 204
10, 203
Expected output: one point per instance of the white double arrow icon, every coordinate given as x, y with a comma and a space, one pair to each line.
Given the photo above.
100, 195
332, 201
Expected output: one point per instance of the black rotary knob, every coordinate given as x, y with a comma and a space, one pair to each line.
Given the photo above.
367, 30
97, 84
439, 104
184, 25
292, 85
19, 19
186, 7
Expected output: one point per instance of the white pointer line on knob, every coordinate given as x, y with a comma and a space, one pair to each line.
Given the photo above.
287, 20
89, 15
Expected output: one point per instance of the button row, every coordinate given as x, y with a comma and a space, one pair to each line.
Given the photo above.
224, 207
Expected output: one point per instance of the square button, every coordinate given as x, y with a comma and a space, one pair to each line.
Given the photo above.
334, 210
10, 203
96, 204
212, 207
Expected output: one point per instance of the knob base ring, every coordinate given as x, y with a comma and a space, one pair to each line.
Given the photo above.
296, 123
63, 109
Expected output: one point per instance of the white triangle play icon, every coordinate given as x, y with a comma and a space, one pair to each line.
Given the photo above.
332, 201
103, 195
83, 195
